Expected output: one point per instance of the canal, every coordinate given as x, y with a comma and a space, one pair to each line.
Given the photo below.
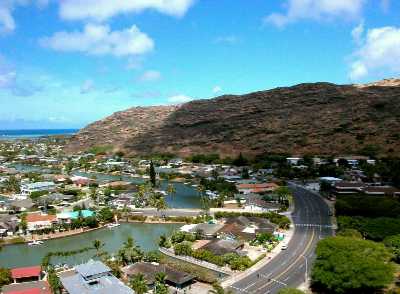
145, 235
186, 196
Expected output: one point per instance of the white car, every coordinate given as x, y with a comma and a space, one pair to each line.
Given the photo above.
284, 247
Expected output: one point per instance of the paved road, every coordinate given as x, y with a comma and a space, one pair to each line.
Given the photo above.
288, 269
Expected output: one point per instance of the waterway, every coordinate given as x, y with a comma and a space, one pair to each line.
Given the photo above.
186, 196
145, 235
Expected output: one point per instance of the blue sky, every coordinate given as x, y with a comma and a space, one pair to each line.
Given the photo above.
67, 63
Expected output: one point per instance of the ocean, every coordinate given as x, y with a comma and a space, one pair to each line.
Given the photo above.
29, 134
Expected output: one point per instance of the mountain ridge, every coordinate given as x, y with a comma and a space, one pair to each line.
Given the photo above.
318, 118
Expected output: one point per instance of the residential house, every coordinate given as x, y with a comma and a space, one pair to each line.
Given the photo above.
80, 181
21, 205
254, 202
38, 221
28, 189
208, 231
67, 217
8, 225
246, 227
37, 287
293, 160
93, 277
343, 187
174, 278
26, 274
222, 246
256, 188
381, 191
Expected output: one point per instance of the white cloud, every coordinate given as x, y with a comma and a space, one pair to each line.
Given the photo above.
100, 40
7, 74
87, 86
216, 89
178, 99
379, 52
7, 22
7, 78
150, 76
358, 32
101, 10
315, 10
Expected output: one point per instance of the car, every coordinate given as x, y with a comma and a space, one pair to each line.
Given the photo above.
284, 247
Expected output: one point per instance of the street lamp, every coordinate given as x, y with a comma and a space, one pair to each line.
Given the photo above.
306, 273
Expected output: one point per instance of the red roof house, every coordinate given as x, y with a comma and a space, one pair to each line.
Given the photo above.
31, 273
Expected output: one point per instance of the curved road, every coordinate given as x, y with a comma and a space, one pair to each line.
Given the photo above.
288, 269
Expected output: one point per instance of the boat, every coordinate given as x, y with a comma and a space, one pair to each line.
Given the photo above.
35, 243
113, 225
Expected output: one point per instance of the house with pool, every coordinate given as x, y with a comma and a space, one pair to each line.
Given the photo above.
69, 216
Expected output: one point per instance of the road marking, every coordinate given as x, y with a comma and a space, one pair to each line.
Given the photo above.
279, 282
309, 244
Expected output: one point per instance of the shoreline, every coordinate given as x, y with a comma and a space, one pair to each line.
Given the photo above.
80, 232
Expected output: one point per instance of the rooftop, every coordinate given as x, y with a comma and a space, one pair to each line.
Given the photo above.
37, 287
38, 217
26, 272
92, 268
93, 277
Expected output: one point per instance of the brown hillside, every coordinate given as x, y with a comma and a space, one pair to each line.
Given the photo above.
318, 118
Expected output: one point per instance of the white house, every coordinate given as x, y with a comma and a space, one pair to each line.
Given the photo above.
27, 189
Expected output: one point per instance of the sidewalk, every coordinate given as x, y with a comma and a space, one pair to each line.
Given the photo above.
241, 275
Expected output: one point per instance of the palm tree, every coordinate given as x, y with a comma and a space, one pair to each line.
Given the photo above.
160, 287
138, 283
125, 211
171, 190
97, 245
160, 277
129, 243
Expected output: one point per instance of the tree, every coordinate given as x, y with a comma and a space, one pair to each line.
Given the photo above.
157, 200
290, 291
217, 289
240, 160
348, 265
183, 249
23, 225
105, 215
245, 173
139, 284
393, 243
93, 194
97, 244
5, 277
12, 185
171, 190
152, 174
351, 233
164, 242
54, 280
130, 252
343, 163
125, 211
